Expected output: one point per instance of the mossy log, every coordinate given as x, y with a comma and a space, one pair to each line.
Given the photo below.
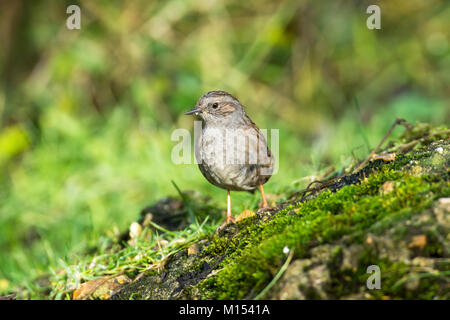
393, 215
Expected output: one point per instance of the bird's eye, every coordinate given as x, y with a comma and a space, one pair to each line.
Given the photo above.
215, 105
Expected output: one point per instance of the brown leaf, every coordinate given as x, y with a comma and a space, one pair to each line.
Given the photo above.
193, 249
385, 157
387, 187
101, 288
418, 241
244, 215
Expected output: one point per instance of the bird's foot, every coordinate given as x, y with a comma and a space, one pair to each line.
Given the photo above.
230, 219
227, 222
263, 204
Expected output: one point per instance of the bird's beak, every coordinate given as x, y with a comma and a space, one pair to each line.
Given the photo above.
195, 111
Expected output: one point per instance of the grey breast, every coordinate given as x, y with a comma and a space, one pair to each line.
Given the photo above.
236, 159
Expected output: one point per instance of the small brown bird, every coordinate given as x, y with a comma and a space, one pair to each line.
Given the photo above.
231, 151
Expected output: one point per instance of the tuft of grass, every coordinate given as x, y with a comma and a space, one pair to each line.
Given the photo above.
146, 253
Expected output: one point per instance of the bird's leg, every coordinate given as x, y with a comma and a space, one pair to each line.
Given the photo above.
229, 215
264, 201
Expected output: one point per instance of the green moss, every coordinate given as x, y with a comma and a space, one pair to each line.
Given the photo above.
253, 260
218, 246
434, 247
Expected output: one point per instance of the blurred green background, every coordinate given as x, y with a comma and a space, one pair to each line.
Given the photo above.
86, 115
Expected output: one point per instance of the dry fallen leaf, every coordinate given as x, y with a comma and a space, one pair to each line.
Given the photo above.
385, 157
135, 230
387, 187
101, 288
245, 214
193, 249
418, 241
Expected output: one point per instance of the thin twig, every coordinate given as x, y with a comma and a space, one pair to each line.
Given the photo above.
324, 184
397, 122
408, 146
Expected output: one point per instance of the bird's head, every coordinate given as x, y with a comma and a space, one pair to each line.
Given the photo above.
217, 106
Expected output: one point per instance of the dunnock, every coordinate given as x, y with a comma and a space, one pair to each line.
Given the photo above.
231, 151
